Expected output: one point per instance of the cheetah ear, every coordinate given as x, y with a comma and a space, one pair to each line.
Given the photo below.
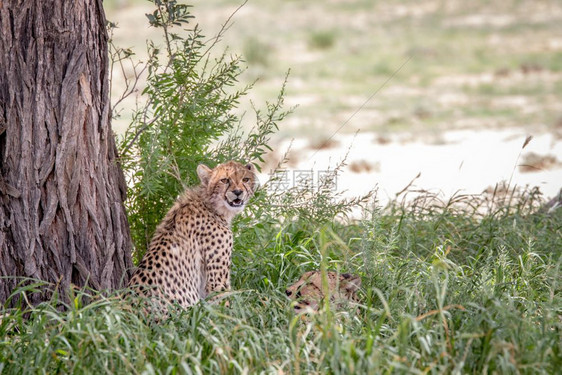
204, 174
252, 169
350, 282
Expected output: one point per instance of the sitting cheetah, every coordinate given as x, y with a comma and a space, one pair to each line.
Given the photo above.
308, 291
190, 253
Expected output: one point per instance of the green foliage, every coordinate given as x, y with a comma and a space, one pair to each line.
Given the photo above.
189, 118
443, 292
168, 13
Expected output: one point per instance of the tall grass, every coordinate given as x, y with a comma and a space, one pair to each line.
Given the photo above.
443, 292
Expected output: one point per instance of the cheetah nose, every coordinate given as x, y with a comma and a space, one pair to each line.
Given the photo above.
237, 192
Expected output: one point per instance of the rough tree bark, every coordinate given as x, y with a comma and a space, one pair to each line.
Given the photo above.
62, 217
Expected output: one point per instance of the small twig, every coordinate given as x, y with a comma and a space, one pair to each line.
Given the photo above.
409, 184
438, 311
525, 143
138, 133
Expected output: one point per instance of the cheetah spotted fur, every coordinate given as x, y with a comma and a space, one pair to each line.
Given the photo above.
189, 256
308, 292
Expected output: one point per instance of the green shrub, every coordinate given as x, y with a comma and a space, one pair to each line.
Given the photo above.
189, 118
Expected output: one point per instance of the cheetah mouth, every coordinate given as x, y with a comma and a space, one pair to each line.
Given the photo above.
236, 203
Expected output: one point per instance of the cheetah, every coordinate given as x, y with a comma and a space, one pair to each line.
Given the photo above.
189, 256
308, 291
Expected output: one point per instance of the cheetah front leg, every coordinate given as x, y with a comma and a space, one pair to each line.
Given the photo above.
217, 267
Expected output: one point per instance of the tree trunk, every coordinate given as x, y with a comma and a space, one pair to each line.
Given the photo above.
62, 217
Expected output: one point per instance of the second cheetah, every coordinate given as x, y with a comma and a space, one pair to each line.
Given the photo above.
309, 291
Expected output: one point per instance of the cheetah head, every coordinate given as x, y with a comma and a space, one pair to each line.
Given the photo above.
308, 292
229, 186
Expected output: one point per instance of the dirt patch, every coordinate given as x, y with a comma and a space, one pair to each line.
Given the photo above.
323, 144
363, 166
533, 162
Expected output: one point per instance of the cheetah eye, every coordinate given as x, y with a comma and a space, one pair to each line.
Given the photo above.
225, 180
246, 179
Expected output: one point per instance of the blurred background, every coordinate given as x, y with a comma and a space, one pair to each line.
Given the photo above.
435, 95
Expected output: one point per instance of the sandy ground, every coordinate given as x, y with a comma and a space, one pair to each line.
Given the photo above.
465, 162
